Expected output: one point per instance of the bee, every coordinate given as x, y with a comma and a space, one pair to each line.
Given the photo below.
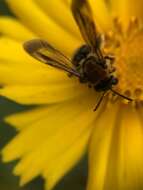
88, 64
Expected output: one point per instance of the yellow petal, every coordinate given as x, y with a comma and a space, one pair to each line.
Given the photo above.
25, 119
101, 14
114, 7
19, 75
13, 57
64, 19
125, 161
50, 137
32, 116
130, 156
33, 17
124, 16
53, 119
135, 9
67, 2
116, 162
125, 10
61, 165
32, 94
12, 28
13, 52
99, 149
42, 94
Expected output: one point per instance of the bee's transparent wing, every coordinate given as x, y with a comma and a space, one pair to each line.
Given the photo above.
44, 52
83, 15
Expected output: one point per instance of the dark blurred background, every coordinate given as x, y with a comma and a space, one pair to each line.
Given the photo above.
75, 180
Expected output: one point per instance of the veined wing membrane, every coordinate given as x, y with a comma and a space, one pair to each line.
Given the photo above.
83, 15
44, 52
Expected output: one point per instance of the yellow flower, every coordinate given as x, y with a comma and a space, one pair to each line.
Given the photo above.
53, 136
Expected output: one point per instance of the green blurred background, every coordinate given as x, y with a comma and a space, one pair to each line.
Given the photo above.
75, 180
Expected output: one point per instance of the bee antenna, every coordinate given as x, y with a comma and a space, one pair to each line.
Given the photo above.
100, 100
121, 95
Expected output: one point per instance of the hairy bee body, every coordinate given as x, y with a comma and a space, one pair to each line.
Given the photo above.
93, 69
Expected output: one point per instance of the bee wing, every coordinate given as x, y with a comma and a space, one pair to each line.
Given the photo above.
83, 15
44, 52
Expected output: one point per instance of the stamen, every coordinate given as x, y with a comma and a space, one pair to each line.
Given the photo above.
129, 57
133, 28
118, 26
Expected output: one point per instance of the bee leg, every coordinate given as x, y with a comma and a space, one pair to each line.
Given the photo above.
70, 75
89, 86
83, 79
111, 58
78, 68
112, 70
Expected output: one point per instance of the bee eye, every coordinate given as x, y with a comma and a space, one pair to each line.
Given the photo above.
114, 81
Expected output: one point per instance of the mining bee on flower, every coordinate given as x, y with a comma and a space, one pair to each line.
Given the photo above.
88, 63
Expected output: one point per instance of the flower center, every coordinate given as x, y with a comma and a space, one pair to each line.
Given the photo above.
129, 60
